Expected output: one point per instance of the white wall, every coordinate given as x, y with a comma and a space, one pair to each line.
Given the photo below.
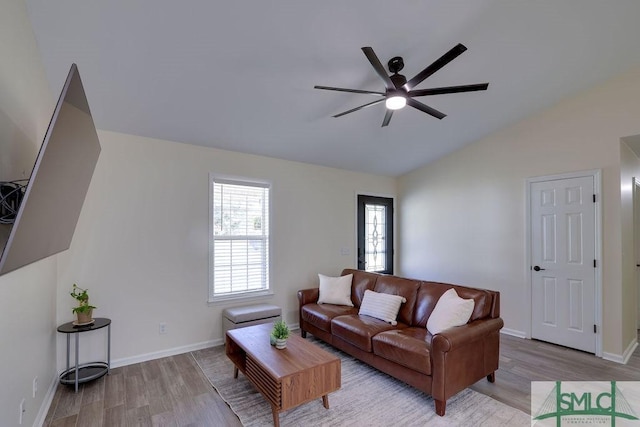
462, 218
28, 295
141, 245
24, 96
629, 168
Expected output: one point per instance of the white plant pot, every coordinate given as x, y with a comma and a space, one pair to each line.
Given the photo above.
281, 343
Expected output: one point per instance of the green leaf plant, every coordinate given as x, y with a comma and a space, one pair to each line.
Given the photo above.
280, 330
82, 297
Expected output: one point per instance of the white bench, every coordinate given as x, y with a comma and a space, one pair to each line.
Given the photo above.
239, 317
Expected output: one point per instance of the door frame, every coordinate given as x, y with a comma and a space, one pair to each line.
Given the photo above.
596, 174
395, 225
635, 185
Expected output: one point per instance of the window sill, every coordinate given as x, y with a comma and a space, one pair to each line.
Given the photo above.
240, 297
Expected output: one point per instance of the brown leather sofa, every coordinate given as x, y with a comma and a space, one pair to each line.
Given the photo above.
439, 365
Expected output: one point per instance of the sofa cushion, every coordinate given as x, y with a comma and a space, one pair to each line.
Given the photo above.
358, 330
335, 290
381, 306
430, 292
408, 347
450, 311
320, 315
406, 288
362, 280
482, 299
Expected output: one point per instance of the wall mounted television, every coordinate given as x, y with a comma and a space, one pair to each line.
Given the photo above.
53, 198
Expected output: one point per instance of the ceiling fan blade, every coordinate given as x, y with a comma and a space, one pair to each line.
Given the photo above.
377, 65
435, 66
387, 118
425, 108
339, 89
448, 89
377, 101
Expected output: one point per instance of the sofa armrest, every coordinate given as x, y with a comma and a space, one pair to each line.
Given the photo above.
452, 338
463, 355
308, 296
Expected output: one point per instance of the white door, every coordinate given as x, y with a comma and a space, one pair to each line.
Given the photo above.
563, 262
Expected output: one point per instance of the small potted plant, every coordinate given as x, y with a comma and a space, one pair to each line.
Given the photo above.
83, 311
280, 333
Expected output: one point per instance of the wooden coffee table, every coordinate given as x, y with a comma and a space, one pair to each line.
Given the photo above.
286, 378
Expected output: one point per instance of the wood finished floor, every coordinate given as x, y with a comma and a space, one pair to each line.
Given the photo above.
173, 391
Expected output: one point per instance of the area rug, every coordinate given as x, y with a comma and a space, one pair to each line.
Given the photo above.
367, 397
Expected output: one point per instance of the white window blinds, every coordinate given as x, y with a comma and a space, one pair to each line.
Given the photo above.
240, 240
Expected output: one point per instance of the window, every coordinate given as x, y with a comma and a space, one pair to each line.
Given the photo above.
375, 234
239, 249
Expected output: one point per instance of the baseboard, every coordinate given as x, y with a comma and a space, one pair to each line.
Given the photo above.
513, 333
164, 353
46, 403
624, 357
173, 351
612, 357
629, 351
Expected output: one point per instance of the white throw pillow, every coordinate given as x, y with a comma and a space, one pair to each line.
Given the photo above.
450, 311
381, 306
335, 290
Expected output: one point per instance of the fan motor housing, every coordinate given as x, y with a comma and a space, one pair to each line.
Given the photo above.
396, 64
398, 80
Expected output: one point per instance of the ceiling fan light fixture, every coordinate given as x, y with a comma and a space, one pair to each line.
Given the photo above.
399, 92
396, 102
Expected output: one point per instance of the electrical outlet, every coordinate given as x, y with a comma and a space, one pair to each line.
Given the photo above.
35, 386
23, 409
162, 328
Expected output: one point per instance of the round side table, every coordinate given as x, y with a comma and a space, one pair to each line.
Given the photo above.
79, 374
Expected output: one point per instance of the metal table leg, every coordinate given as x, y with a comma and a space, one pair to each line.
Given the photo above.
77, 370
68, 348
109, 349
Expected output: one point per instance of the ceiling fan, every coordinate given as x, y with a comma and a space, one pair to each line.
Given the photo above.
400, 92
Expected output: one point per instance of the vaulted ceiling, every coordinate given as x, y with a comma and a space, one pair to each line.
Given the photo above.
239, 75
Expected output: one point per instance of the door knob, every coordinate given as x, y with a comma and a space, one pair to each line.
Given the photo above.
536, 268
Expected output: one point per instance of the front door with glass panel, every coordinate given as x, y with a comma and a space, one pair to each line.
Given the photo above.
375, 234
